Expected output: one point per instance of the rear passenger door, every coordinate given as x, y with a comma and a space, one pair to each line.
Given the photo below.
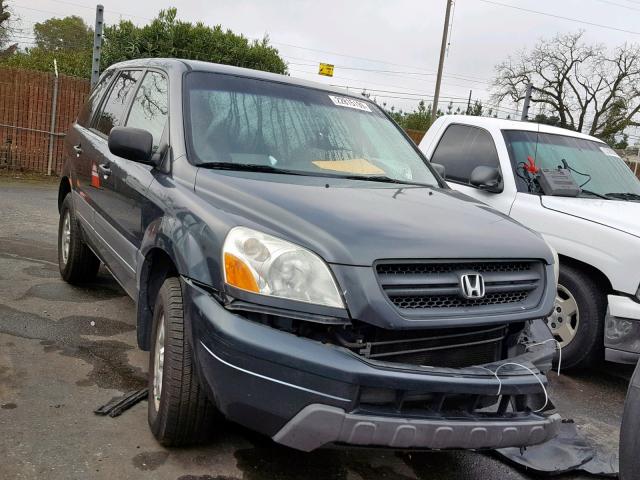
79, 150
115, 245
463, 148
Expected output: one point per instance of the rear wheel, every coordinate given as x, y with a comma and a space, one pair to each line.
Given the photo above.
577, 321
179, 411
77, 263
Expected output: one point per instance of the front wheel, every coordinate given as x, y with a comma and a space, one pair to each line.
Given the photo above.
577, 321
179, 411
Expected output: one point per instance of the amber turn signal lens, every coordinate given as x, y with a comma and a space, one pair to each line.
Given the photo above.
238, 274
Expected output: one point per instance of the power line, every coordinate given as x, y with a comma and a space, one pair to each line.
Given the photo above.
393, 72
561, 17
619, 5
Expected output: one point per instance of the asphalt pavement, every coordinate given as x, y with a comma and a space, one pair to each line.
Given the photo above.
66, 350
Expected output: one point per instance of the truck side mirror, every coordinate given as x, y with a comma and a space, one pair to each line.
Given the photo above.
134, 144
487, 178
439, 168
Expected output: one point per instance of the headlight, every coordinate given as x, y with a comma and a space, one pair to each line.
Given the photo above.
259, 263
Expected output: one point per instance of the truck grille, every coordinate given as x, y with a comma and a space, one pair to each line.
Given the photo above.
433, 287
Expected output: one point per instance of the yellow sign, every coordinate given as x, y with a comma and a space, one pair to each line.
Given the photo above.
326, 69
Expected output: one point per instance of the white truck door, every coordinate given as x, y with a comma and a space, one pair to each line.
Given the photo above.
461, 148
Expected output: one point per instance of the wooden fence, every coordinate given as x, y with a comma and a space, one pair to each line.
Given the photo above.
416, 135
26, 99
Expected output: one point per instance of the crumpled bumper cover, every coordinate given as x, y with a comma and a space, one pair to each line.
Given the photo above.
306, 394
317, 425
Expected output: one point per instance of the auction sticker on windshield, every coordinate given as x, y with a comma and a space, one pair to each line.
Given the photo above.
350, 103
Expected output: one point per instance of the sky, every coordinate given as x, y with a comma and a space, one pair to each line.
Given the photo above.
389, 47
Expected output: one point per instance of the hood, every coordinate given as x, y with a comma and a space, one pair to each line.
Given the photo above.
616, 214
356, 222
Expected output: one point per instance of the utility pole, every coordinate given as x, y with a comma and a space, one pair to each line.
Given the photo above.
443, 47
527, 100
97, 45
469, 103
54, 108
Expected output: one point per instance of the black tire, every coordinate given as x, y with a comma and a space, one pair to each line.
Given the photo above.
587, 347
81, 265
185, 415
630, 432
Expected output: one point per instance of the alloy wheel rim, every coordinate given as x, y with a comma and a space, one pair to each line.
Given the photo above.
158, 364
565, 319
66, 237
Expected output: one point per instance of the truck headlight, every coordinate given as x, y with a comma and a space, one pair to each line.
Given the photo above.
260, 263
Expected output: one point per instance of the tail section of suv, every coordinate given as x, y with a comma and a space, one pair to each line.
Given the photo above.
300, 269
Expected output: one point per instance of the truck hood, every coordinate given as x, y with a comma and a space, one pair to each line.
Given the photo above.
356, 222
616, 214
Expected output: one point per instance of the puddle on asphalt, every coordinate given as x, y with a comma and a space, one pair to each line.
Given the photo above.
267, 460
63, 292
108, 358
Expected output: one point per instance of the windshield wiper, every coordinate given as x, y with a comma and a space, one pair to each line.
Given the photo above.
623, 196
385, 179
599, 195
248, 167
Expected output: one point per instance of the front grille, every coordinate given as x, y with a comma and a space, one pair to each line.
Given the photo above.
449, 301
453, 348
433, 287
427, 268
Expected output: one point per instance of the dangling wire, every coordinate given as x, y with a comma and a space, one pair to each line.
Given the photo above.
559, 350
495, 374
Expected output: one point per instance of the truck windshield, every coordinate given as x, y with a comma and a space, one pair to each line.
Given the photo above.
273, 127
594, 165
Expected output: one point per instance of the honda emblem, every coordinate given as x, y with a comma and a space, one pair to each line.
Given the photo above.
472, 286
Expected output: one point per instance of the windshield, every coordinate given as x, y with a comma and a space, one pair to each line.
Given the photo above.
593, 165
286, 128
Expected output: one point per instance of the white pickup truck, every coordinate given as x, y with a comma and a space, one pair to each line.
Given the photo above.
596, 233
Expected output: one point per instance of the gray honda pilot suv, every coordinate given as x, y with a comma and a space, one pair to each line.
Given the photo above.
299, 268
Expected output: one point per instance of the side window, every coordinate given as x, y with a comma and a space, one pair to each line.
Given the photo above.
114, 106
150, 107
463, 148
90, 106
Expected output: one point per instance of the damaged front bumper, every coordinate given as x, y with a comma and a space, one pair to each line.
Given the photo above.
306, 394
622, 330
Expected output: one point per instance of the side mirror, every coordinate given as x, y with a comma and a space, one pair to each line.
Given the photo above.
131, 143
439, 168
487, 178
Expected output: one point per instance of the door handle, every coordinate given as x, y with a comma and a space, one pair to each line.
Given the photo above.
105, 169
78, 149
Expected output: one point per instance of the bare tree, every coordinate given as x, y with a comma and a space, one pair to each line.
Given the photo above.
587, 87
6, 17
